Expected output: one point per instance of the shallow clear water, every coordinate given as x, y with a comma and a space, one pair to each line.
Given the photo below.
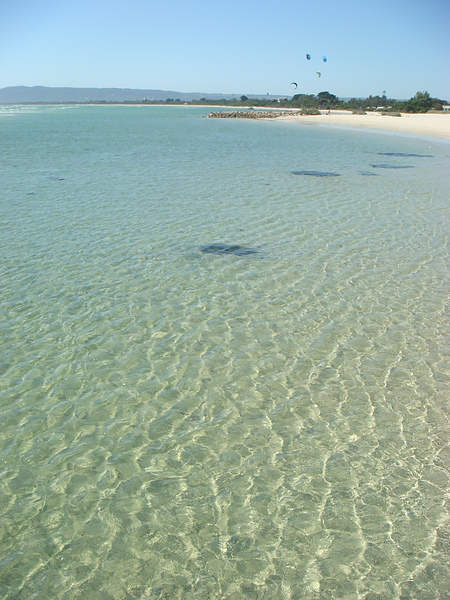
180, 424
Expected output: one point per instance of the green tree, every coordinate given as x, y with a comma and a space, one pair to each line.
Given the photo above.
327, 100
420, 103
304, 101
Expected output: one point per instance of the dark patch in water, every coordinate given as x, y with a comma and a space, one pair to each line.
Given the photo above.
58, 178
405, 154
227, 249
316, 173
393, 166
368, 174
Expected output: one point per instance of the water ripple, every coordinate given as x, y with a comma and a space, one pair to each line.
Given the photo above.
179, 425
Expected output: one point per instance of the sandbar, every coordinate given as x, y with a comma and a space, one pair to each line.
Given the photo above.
427, 124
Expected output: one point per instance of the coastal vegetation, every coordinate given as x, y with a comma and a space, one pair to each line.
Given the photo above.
422, 102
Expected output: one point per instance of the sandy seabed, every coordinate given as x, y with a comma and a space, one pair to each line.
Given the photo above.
430, 125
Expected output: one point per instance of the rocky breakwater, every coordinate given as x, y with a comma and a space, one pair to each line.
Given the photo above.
251, 114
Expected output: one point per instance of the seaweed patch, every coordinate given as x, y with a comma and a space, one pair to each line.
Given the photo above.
316, 173
393, 166
227, 249
405, 154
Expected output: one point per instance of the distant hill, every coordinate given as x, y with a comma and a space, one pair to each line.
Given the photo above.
40, 94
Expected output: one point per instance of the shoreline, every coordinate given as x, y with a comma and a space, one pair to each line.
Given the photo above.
426, 124
430, 125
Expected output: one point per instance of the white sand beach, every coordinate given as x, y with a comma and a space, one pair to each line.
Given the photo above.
428, 124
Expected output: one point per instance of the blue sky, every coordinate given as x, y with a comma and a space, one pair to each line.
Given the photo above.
236, 46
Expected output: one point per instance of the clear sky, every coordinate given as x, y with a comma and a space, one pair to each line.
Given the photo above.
232, 46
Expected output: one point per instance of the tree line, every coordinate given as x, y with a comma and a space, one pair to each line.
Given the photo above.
422, 102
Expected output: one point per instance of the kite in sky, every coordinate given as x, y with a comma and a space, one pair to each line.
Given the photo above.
318, 73
308, 57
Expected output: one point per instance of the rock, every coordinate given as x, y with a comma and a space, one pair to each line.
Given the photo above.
251, 114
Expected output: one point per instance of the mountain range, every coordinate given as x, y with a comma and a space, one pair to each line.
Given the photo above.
41, 94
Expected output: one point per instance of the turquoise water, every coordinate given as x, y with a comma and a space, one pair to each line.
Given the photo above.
180, 424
